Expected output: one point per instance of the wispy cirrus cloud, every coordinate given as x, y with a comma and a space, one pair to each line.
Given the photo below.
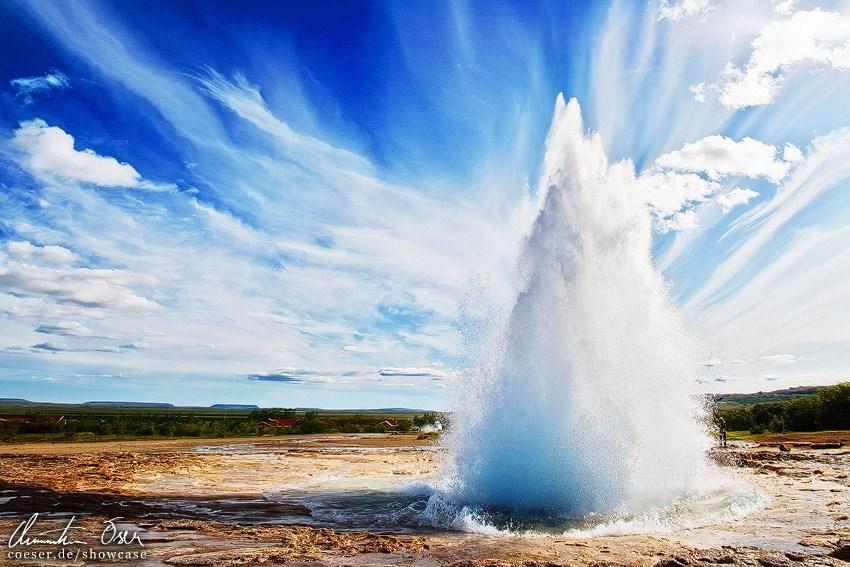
783, 271
328, 252
781, 358
822, 170
362, 231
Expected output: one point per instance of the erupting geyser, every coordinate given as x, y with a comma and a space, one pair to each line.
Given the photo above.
587, 405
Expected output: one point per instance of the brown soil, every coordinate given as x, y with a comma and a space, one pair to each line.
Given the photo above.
806, 521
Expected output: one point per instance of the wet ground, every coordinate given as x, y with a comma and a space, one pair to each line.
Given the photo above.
341, 499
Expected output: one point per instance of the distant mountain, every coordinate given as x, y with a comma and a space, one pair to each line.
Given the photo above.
128, 404
235, 406
764, 397
373, 410
15, 402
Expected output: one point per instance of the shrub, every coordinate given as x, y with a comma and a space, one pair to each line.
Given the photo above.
776, 425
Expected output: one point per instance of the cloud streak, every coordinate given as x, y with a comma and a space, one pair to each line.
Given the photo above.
28, 88
681, 9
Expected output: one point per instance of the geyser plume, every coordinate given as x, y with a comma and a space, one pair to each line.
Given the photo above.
586, 405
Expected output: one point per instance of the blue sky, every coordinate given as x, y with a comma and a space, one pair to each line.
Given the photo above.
321, 204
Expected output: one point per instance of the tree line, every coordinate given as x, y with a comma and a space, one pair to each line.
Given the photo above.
828, 409
157, 425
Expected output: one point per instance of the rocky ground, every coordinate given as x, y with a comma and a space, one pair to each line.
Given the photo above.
186, 498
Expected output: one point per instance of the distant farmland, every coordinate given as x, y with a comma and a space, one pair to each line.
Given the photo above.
22, 421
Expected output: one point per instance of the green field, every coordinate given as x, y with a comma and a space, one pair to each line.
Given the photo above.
827, 436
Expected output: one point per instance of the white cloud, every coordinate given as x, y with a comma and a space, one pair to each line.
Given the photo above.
27, 87
674, 186
809, 37
667, 192
699, 92
49, 151
735, 197
411, 371
715, 362
360, 348
49, 254
49, 347
86, 287
674, 11
65, 329
684, 220
54, 348
740, 89
720, 156
780, 358
292, 375
792, 154
785, 7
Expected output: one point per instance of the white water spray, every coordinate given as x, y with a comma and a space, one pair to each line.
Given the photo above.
587, 405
